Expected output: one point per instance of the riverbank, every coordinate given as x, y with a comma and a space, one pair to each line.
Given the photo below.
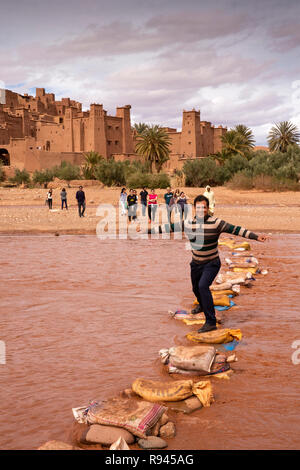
23, 211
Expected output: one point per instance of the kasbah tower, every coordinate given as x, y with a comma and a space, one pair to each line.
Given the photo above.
39, 132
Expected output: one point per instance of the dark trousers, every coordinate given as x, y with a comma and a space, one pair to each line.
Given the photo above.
152, 211
64, 202
132, 212
202, 276
81, 208
50, 203
144, 207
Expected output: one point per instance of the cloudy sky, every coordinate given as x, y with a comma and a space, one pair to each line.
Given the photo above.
235, 60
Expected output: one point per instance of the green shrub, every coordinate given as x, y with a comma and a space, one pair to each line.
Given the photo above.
20, 177
160, 180
57, 169
240, 180
148, 180
285, 185
233, 165
243, 180
200, 172
66, 171
139, 180
111, 173
43, 177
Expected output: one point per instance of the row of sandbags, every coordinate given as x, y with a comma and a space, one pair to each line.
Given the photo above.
141, 414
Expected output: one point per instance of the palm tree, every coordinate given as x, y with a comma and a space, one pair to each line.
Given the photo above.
91, 161
246, 133
234, 143
154, 145
140, 127
282, 135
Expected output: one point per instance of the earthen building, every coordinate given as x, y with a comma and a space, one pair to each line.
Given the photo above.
38, 132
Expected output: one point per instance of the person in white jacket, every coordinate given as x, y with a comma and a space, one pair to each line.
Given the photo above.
123, 201
209, 194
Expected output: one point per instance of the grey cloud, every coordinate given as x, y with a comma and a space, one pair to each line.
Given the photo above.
190, 72
125, 38
285, 35
193, 26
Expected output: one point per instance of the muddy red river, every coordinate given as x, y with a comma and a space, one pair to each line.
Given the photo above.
82, 318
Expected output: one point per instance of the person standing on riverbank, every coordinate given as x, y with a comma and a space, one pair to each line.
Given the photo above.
152, 205
132, 205
182, 200
123, 201
80, 196
63, 196
168, 196
144, 197
49, 198
203, 233
210, 195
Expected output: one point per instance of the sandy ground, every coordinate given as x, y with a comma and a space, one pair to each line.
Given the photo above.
24, 210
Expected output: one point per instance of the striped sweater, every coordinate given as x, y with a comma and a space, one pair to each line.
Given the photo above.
204, 237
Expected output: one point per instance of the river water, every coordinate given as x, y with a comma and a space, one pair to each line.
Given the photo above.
82, 318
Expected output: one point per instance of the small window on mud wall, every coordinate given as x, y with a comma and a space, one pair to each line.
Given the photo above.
48, 145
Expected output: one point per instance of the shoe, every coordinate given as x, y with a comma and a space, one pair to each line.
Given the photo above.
207, 327
197, 309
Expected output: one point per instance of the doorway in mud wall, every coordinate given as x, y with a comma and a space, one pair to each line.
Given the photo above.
4, 157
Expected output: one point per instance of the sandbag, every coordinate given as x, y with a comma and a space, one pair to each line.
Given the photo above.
245, 262
222, 300
184, 315
137, 416
194, 321
239, 269
198, 358
221, 335
221, 286
226, 242
241, 254
225, 292
244, 245
233, 245
243, 265
163, 391
173, 391
218, 365
233, 278
219, 299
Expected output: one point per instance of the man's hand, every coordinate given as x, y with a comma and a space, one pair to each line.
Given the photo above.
262, 238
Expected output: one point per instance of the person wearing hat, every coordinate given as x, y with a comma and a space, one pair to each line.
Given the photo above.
209, 194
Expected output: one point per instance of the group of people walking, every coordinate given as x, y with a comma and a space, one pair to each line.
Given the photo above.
128, 202
80, 197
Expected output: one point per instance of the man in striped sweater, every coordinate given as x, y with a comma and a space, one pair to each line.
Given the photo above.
203, 233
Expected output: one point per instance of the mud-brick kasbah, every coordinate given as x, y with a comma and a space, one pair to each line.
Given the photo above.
38, 132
